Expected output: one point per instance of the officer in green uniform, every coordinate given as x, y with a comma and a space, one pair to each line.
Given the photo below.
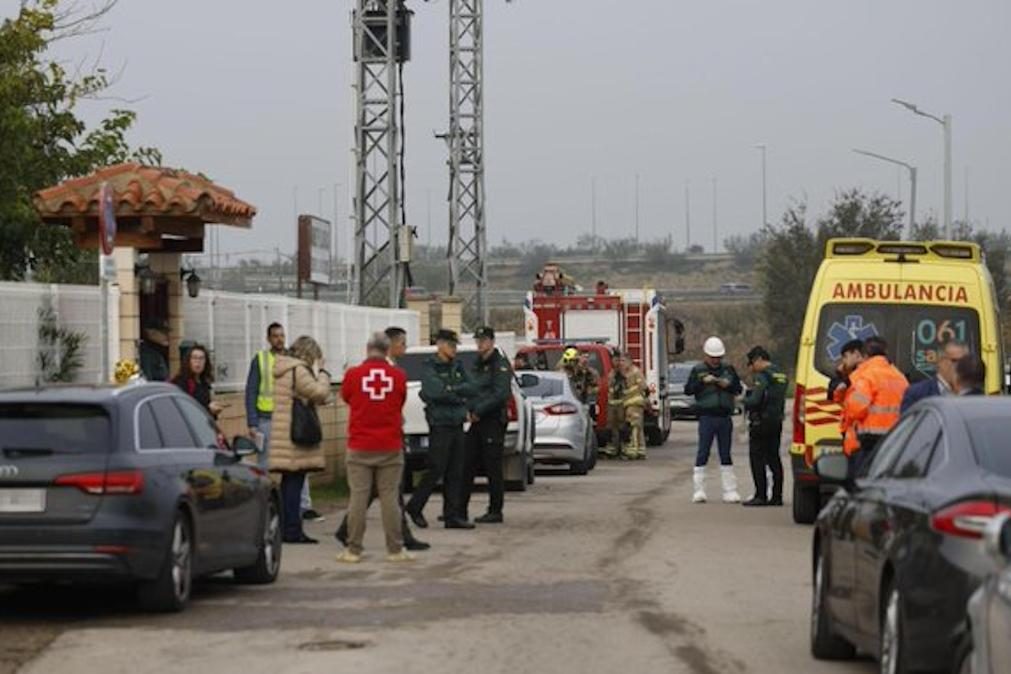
445, 389
765, 404
492, 380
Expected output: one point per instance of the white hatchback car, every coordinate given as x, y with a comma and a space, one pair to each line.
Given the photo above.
518, 461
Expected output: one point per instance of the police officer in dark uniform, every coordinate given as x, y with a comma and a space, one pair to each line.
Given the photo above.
765, 404
492, 381
445, 389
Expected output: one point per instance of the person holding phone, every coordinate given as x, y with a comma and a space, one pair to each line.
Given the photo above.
715, 386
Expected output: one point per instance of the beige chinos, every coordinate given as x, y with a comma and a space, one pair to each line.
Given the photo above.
384, 470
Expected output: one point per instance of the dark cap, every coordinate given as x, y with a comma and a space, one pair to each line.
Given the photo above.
484, 332
853, 345
756, 353
447, 336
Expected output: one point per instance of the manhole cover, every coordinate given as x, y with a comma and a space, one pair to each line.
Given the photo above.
332, 645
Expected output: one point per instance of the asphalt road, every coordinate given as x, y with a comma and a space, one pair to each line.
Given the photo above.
613, 572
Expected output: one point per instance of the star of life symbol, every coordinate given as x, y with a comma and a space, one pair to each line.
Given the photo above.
852, 327
377, 385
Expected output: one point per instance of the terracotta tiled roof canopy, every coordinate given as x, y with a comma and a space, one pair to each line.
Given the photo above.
157, 208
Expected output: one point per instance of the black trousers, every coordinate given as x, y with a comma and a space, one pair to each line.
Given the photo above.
485, 447
764, 452
445, 465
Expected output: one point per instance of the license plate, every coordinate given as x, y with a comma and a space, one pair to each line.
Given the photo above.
22, 500
423, 442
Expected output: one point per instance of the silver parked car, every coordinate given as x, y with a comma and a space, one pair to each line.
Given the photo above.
565, 432
681, 405
990, 607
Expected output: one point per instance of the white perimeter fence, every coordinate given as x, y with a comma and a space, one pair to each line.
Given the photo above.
235, 327
232, 325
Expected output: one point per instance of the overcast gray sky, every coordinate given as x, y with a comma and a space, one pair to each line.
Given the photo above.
257, 95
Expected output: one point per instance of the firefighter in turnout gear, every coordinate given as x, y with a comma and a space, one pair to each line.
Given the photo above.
765, 403
615, 412
634, 402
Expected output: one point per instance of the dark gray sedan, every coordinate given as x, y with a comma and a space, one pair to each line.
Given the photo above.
130, 484
897, 551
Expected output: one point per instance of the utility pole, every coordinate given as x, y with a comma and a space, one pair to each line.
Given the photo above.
593, 211
637, 208
688, 216
468, 244
382, 242
765, 193
715, 236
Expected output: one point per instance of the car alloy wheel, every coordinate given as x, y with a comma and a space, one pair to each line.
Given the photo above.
890, 634
182, 561
272, 540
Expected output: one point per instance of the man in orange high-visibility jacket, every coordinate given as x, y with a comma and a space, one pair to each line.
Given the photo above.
840, 387
873, 403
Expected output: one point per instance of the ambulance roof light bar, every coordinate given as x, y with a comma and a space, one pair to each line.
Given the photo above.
951, 250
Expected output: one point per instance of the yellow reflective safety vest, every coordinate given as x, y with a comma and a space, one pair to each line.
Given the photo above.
265, 396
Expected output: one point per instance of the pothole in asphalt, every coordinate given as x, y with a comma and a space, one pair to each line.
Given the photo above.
332, 645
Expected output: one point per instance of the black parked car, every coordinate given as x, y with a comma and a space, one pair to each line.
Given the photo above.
130, 484
897, 552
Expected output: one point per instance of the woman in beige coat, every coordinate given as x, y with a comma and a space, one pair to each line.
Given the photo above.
299, 374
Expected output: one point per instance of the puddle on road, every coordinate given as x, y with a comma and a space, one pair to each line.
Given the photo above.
331, 645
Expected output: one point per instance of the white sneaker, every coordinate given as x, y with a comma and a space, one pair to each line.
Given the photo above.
730, 494
699, 480
348, 557
402, 556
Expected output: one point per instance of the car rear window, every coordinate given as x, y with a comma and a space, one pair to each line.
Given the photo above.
679, 373
545, 388
60, 428
990, 440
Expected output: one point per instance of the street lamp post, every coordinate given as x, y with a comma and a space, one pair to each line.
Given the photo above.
912, 182
945, 123
765, 217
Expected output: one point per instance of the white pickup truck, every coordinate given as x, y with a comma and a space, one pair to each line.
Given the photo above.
518, 461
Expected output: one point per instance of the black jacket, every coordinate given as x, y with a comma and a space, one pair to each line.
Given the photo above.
445, 389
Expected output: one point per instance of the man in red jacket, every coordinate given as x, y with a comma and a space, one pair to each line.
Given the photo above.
375, 391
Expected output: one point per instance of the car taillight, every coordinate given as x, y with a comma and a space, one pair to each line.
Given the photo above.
968, 519
559, 409
799, 417
513, 415
118, 482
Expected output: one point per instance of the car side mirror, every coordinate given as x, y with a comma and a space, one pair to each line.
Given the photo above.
997, 539
833, 469
243, 446
528, 380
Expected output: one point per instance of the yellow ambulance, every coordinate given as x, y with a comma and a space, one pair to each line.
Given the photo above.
917, 295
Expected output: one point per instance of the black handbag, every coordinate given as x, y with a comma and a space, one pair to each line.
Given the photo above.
305, 426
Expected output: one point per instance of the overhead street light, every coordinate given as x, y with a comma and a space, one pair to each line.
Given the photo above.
945, 123
912, 182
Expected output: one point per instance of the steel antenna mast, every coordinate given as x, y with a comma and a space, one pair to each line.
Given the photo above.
468, 241
382, 244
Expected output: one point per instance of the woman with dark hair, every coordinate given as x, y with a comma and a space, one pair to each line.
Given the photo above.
196, 377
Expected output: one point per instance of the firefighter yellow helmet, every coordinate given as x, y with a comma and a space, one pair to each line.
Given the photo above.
125, 371
571, 355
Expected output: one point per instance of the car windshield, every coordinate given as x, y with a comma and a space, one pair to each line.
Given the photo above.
414, 363
545, 388
990, 439
56, 428
915, 333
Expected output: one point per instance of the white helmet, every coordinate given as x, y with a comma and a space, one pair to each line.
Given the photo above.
714, 348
